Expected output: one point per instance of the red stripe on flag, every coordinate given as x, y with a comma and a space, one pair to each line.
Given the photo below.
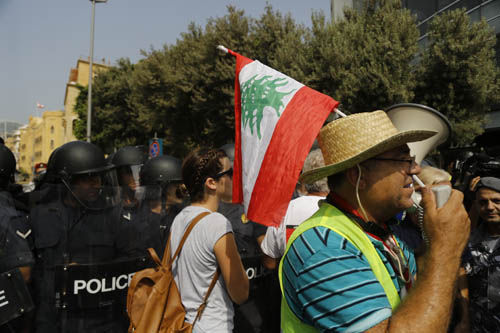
241, 62
292, 139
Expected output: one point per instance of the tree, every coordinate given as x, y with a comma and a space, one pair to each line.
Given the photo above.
457, 74
277, 41
364, 61
185, 92
114, 118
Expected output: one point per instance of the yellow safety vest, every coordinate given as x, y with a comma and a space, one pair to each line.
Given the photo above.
330, 217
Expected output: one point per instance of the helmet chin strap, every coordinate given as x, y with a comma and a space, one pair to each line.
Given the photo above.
357, 193
74, 196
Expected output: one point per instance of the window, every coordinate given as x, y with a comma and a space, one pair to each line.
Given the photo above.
51, 129
51, 144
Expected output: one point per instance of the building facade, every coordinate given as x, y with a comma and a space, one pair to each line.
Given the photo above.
78, 76
39, 138
337, 7
489, 10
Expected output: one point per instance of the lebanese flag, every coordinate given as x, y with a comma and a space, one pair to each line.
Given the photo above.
276, 122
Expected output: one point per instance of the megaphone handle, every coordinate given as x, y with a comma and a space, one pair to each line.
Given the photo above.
442, 193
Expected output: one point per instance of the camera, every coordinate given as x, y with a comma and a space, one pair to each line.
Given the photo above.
476, 164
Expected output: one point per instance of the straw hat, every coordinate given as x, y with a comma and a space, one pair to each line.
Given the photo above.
348, 141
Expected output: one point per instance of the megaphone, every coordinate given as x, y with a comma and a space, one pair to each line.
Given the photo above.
409, 116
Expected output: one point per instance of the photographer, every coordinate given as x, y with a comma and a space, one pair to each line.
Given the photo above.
481, 260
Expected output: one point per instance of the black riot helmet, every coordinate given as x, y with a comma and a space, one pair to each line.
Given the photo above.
161, 169
162, 179
82, 168
7, 165
77, 158
130, 155
128, 162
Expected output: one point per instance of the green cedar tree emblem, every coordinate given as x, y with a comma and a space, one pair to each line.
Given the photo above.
256, 95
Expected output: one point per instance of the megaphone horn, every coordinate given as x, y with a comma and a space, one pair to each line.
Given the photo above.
409, 116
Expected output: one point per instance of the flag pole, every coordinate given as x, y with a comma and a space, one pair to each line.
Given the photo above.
340, 113
222, 48
226, 50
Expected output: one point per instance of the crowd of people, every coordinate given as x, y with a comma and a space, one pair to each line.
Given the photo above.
355, 251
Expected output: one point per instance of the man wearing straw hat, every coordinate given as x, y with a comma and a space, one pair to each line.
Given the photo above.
343, 270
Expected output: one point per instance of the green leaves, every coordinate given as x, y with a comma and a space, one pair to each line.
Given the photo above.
457, 74
364, 61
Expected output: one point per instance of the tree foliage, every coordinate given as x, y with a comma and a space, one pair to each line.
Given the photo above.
364, 61
457, 74
115, 120
185, 92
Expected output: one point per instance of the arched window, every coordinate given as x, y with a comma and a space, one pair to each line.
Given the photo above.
51, 144
51, 129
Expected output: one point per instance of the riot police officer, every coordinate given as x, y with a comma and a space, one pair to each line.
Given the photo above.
164, 195
15, 256
128, 162
77, 231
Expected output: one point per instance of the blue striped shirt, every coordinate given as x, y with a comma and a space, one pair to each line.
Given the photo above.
329, 284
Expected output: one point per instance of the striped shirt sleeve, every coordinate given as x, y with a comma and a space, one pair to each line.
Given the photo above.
329, 284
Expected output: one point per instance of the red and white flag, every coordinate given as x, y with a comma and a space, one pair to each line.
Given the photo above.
39, 106
276, 121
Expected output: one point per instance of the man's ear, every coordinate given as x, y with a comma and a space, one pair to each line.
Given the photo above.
211, 184
352, 177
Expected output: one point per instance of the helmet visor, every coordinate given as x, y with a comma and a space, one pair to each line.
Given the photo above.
128, 180
97, 190
170, 192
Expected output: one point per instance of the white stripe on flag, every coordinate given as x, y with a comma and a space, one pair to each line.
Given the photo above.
251, 157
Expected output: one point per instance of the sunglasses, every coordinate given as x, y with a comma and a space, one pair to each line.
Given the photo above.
411, 163
228, 172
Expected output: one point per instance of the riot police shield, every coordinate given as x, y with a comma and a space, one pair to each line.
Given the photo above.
77, 229
15, 299
94, 285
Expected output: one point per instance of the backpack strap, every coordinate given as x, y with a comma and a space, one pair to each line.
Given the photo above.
183, 239
205, 299
166, 254
181, 243
154, 256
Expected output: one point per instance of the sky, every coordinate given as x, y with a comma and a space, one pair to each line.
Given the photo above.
41, 40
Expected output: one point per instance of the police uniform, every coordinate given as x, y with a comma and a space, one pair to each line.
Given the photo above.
151, 229
482, 264
14, 248
260, 313
73, 235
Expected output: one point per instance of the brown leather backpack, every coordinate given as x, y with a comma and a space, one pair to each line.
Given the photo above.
153, 300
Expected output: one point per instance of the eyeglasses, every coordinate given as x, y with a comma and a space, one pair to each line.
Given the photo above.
410, 161
228, 172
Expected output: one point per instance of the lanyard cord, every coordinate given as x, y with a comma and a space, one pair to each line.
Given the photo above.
394, 251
